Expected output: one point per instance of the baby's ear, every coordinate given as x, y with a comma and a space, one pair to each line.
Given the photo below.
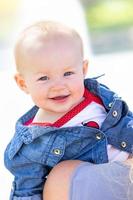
21, 82
85, 67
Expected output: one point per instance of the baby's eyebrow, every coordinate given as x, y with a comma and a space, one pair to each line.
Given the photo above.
68, 67
42, 73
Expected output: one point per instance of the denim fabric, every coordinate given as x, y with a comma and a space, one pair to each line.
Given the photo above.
110, 181
34, 150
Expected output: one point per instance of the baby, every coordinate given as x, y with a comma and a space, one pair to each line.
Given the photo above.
73, 118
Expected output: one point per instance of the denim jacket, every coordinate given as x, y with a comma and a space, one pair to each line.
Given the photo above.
35, 150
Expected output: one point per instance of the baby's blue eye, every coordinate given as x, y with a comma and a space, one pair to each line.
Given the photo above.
68, 73
43, 78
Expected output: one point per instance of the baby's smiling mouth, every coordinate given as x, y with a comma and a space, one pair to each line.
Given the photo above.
61, 97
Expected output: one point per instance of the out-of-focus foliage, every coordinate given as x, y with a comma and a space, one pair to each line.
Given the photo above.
111, 24
111, 14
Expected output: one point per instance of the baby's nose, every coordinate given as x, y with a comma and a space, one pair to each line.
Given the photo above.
58, 84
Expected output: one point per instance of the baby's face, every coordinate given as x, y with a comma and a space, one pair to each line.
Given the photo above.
54, 76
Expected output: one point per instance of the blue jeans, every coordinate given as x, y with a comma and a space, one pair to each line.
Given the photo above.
110, 181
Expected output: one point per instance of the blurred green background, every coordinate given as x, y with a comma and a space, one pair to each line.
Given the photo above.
110, 23
109, 15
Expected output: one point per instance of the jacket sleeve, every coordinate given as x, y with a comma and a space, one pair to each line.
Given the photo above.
29, 177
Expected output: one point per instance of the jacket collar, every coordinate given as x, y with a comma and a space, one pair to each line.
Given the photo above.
26, 134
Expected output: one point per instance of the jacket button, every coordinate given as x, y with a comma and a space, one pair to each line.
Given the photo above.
123, 144
57, 151
98, 136
110, 104
114, 113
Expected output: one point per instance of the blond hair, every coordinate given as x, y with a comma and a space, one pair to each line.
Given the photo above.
45, 29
